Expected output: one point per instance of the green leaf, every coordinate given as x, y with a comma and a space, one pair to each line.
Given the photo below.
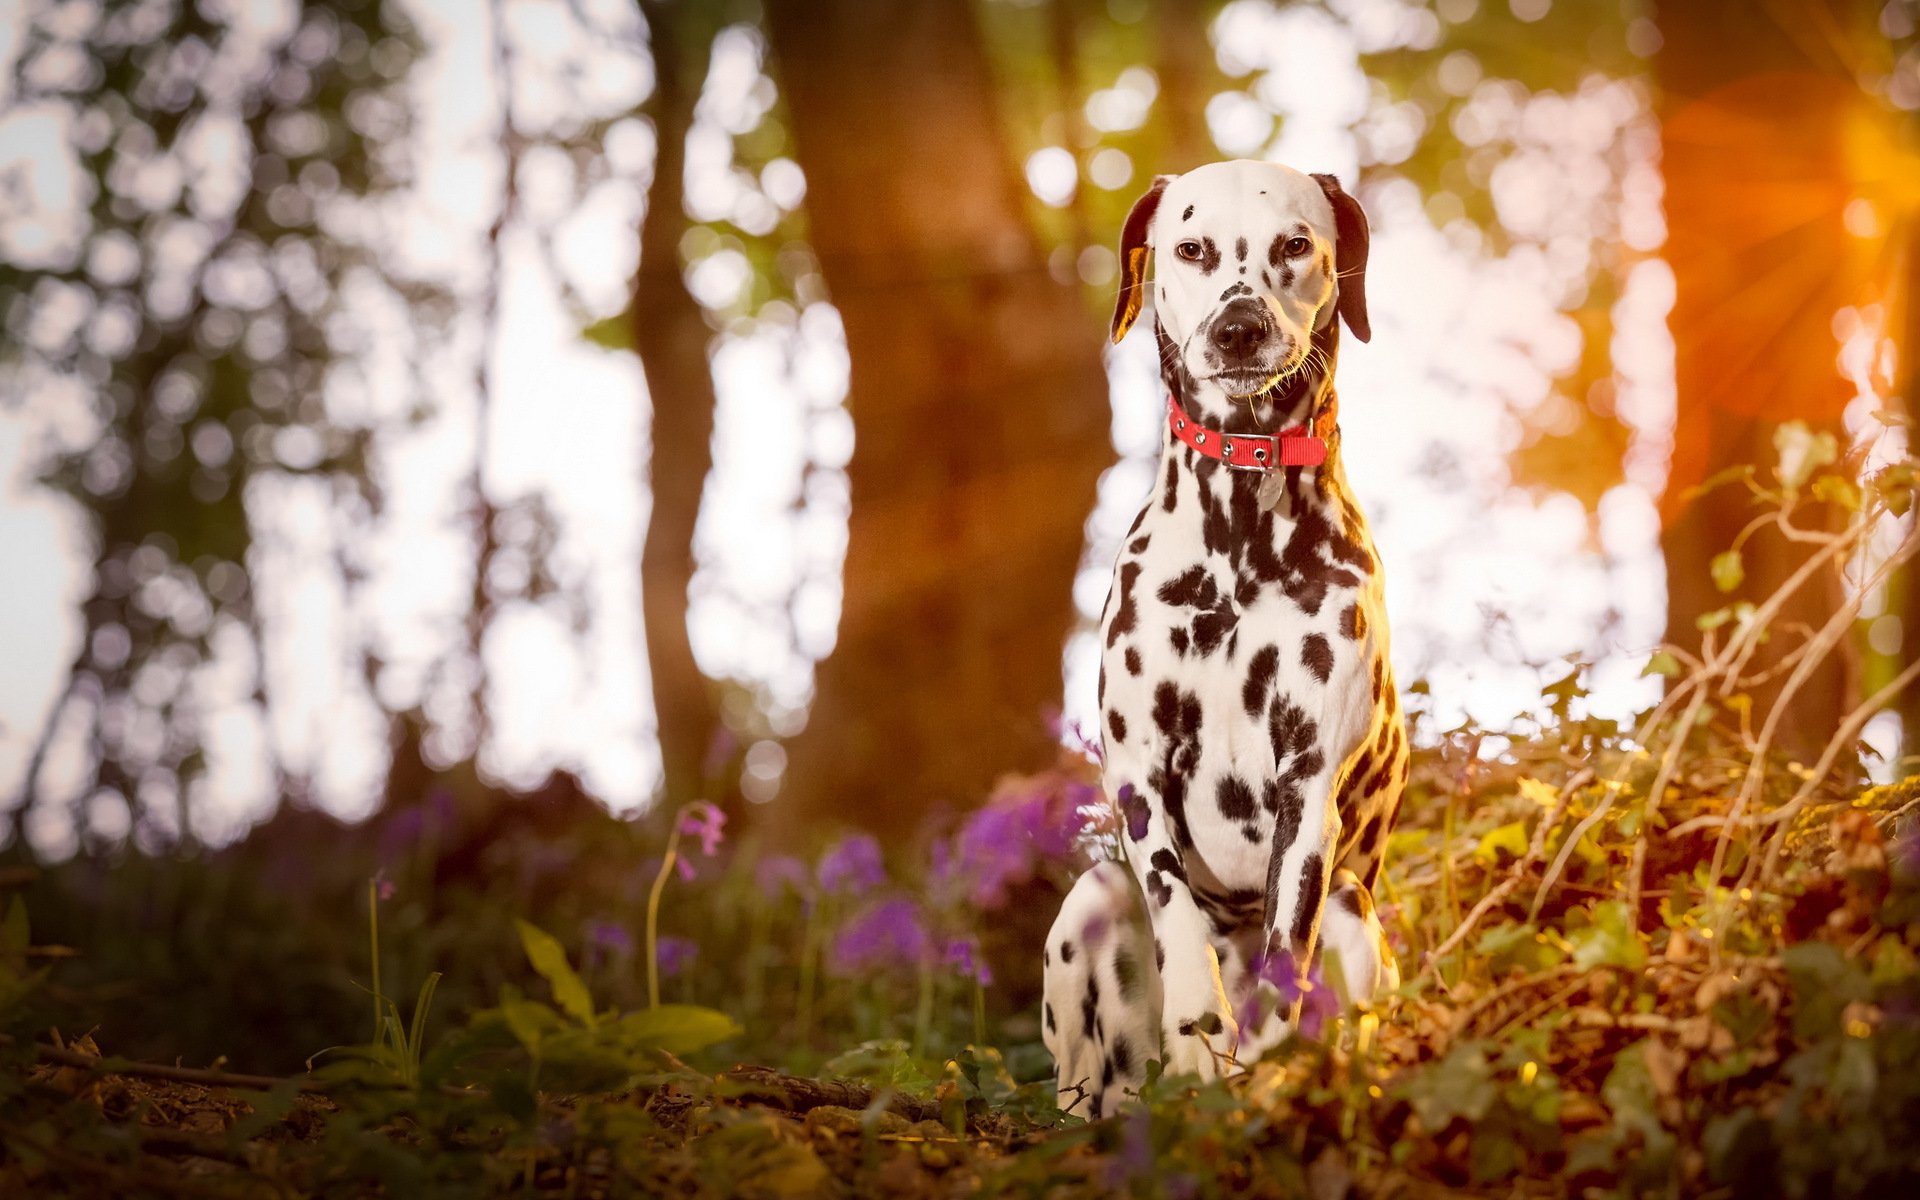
675, 1028
548, 958
1459, 1085
1728, 572
1511, 837
1837, 489
1802, 452
530, 1021
611, 333
1611, 940
1663, 663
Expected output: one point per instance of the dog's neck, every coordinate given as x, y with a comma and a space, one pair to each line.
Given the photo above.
1304, 399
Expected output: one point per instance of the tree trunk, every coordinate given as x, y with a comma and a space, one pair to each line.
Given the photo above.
670, 333
1751, 347
979, 400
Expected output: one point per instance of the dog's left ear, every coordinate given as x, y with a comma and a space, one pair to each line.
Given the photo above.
1349, 257
1134, 254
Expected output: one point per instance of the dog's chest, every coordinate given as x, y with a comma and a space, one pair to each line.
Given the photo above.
1238, 640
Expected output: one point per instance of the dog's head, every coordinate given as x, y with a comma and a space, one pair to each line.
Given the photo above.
1250, 259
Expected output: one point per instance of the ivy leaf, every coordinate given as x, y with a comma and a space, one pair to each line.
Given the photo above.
1611, 940
1459, 1085
1728, 571
550, 960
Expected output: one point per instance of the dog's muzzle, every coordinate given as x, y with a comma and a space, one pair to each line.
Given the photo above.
1243, 339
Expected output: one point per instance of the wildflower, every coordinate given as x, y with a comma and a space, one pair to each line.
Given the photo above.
852, 865
1274, 976
963, 955
609, 937
886, 934
704, 821
383, 887
1004, 844
676, 955
1134, 1160
776, 873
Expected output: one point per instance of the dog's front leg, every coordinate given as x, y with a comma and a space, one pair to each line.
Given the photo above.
1198, 1034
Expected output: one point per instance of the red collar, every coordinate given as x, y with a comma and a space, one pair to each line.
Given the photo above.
1295, 447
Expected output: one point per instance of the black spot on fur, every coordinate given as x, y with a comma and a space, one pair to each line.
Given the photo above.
1134, 807
1139, 544
1306, 911
1317, 656
1209, 256
1177, 638
1159, 956
1260, 673
1158, 889
1116, 725
1052, 1027
1066, 952
1124, 619
1133, 661
1126, 973
1235, 798
1187, 215
1168, 861
1172, 495
1123, 1055
1240, 250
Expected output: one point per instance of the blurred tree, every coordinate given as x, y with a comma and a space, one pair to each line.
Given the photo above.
671, 334
979, 400
1769, 140
190, 324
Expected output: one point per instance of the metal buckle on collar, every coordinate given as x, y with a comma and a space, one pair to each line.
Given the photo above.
1264, 457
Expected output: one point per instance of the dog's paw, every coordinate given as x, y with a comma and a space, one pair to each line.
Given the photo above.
1202, 1045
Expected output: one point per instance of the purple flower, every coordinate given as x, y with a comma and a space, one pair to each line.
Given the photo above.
1005, 843
963, 955
883, 935
607, 942
704, 821
383, 887
1135, 1157
608, 939
776, 873
852, 865
676, 955
1277, 971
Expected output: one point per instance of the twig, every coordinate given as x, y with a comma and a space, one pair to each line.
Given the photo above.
140, 1070
796, 1095
1499, 892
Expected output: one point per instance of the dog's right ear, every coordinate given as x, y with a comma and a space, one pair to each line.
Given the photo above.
1134, 254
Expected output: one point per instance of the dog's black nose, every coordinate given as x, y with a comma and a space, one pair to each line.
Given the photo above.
1239, 330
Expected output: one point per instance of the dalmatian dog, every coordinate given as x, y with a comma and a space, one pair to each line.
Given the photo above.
1255, 747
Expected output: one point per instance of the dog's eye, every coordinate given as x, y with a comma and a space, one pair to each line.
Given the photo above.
1188, 250
1296, 246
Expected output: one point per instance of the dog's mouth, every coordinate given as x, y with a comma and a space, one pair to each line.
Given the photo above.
1253, 379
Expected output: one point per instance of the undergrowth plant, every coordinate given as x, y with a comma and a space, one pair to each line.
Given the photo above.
1649, 958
